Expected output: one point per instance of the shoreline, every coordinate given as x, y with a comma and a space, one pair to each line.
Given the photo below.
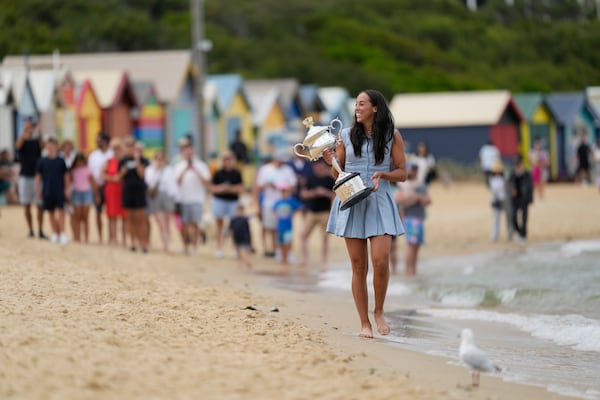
96, 322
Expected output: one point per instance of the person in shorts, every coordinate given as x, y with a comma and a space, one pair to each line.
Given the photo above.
226, 187
413, 197
192, 177
239, 227
317, 195
268, 178
132, 168
29, 151
51, 183
284, 209
96, 162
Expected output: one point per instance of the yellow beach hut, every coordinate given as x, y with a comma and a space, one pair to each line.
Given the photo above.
89, 117
234, 109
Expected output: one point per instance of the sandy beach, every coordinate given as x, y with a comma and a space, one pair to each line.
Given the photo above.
95, 322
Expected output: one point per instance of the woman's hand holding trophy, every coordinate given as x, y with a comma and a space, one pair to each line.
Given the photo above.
321, 142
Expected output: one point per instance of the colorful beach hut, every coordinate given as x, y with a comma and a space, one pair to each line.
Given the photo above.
311, 103
116, 97
168, 70
456, 124
7, 112
89, 117
336, 100
539, 123
66, 111
235, 110
576, 116
26, 106
268, 119
149, 118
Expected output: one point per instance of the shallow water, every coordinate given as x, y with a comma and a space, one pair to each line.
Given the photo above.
535, 311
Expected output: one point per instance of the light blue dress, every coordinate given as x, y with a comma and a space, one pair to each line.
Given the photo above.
375, 215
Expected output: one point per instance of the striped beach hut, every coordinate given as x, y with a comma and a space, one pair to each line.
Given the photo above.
456, 124
89, 116
149, 118
235, 114
539, 123
576, 117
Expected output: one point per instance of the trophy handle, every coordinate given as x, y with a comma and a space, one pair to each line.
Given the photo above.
302, 153
337, 121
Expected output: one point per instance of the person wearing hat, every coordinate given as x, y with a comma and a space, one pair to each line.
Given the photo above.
412, 196
269, 176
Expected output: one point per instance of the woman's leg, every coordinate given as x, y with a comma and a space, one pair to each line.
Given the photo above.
76, 223
357, 250
141, 231
219, 222
112, 230
380, 257
162, 220
410, 268
131, 227
84, 217
496, 224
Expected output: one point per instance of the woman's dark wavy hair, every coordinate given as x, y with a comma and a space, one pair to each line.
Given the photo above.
382, 131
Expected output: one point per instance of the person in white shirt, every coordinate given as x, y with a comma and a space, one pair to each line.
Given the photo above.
268, 178
488, 155
162, 190
96, 161
192, 177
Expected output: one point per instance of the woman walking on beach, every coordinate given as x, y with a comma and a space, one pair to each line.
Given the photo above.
371, 148
113, 191
162, 190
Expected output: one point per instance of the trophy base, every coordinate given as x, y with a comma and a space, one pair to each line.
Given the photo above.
350, 189
355, 198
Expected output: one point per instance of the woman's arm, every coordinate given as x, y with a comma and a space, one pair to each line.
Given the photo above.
398, 174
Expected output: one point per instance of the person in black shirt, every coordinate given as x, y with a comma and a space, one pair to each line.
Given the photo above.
29, 151
226, 187
317, 195
51, 183
584, 152
239, 149
521, 187
131, 171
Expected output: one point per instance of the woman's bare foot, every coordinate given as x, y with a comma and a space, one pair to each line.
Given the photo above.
382, 326
366, 332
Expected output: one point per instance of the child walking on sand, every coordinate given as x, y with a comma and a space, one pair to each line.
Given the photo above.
239, 227
284, 211
84, 185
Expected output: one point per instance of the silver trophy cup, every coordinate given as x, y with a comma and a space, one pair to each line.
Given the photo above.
349, 187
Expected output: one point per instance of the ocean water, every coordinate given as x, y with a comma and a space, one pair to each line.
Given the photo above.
534, 310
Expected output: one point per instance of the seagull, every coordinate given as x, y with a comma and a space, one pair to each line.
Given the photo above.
474, 357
